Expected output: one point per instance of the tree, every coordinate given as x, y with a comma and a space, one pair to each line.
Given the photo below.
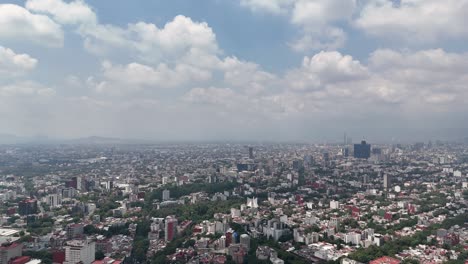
99, 255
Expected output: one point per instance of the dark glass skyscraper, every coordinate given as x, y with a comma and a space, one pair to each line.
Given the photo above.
362, 151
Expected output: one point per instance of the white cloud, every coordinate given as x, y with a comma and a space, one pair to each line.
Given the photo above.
270, 6
325, 37
121, 79
18, 23
316, 19
325, 68
247, 76
415, 21
26, 88
12, 63
178, 39
74, 12
313, 13
433, 69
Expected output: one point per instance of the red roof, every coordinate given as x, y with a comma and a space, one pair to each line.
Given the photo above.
385, 260
21, 260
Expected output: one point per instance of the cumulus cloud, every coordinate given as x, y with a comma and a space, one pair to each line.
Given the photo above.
18, 23
415, 21
74, 12
177, 71
325, 68
316, 19
12, 63
181, 38
247, 76
121, 79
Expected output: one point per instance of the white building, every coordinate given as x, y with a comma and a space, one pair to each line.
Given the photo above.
166, 195
79, 251
54, 200
353, 238
245, 241
252, 203
334, 204
235, 212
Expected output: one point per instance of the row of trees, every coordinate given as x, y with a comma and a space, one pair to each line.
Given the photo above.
179, 191
391, 248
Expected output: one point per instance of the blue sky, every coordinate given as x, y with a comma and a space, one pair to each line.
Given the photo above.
234, 69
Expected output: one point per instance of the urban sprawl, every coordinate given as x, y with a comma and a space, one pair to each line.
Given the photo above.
234, 203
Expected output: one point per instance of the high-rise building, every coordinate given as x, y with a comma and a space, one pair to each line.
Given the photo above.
27, 207
166, 195
229, 237
80, 251
362, 151
376, 151
251, 153
75, 230
297, 164
326, 158
245, 241
54, 200
68, 192
345, 152
170, 228
387, 181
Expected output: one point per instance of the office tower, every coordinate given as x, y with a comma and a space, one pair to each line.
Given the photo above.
297, 165
376, 151
80, 251
362, 151
345, 142
27, 207
345, 152
326, 158
170, 228
308, 160
251, 153
166, 195
387, 181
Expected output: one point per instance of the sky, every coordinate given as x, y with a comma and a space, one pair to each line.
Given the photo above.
255, 70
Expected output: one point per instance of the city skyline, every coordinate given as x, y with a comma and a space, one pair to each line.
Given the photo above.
244, 70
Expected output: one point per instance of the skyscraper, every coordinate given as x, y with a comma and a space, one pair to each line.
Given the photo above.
251, 153
387, 181
362, 151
